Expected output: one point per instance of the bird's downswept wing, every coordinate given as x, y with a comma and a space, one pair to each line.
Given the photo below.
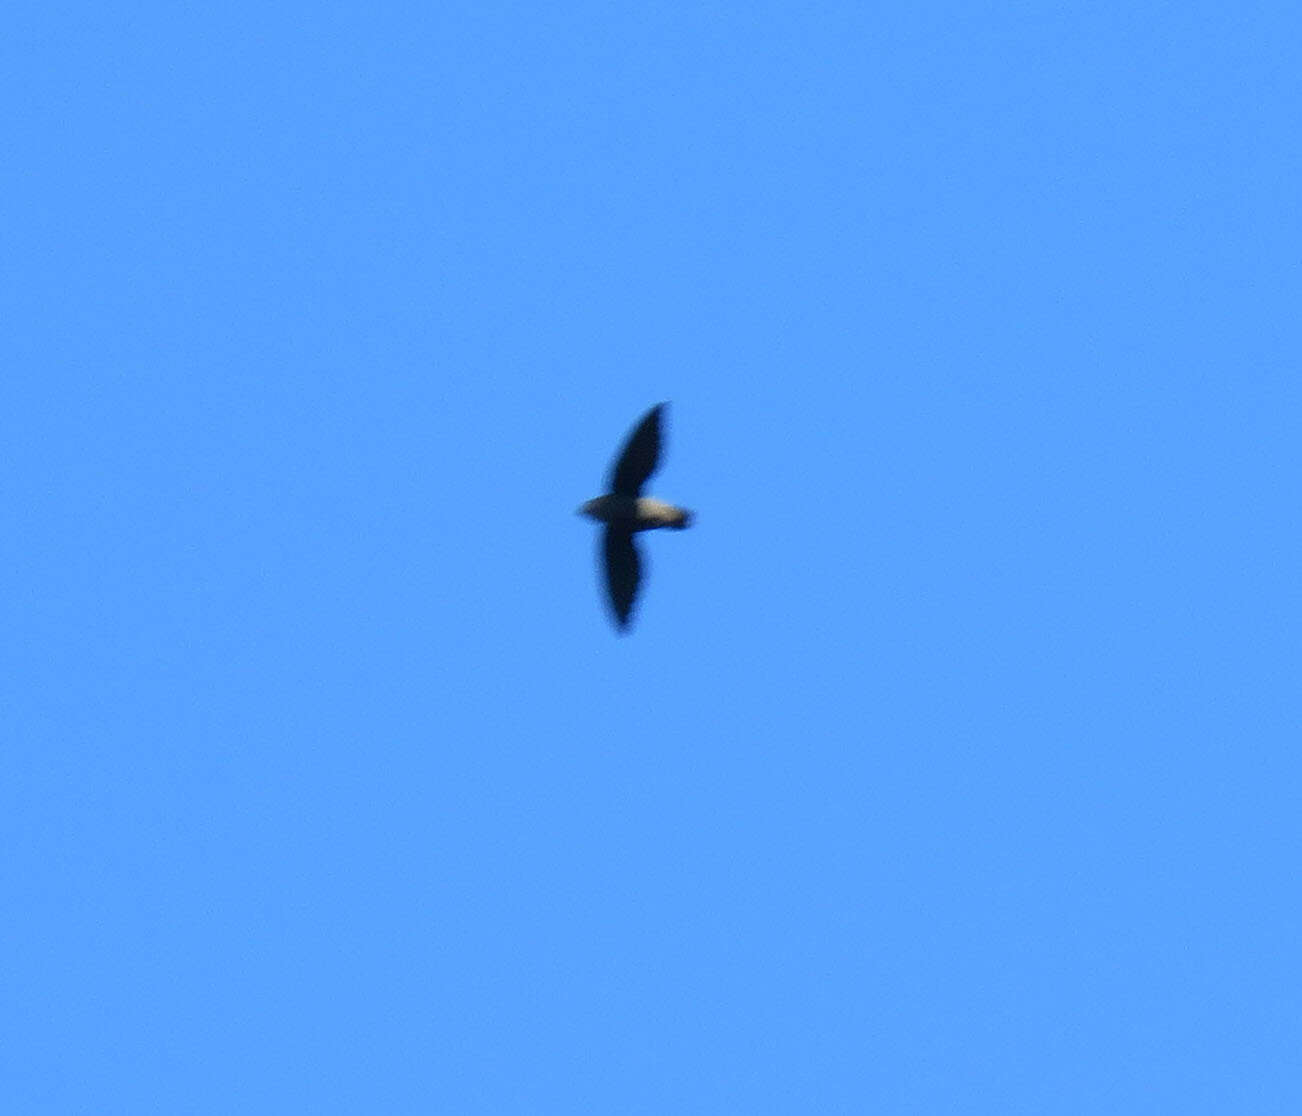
638, 457
623, 568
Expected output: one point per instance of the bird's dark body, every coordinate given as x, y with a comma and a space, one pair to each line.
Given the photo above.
637, 513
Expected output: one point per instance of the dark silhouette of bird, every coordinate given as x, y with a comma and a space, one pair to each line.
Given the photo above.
625, 511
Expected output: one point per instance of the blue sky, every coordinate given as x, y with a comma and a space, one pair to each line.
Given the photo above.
952, 763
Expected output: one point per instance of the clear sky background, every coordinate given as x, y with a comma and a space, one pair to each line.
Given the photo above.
952, 763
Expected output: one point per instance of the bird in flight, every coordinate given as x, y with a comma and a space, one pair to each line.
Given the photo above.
625, 511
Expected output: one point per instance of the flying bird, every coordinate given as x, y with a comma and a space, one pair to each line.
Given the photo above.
625, 511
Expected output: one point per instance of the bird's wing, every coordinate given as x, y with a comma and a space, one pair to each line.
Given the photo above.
637, 459
623, 572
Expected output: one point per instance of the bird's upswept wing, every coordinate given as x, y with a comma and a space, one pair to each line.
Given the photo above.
638, 457
623, 571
